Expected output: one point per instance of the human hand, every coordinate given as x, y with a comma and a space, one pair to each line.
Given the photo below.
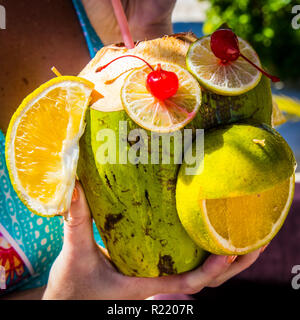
83, 270
147, 19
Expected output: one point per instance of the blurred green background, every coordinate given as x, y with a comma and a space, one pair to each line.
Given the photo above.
266, 24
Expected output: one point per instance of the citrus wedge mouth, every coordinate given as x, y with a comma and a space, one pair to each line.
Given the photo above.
157, 115
42, 144
243, 224
230, 78
240, 195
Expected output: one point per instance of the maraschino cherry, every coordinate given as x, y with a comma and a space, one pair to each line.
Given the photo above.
225, 45
160, 83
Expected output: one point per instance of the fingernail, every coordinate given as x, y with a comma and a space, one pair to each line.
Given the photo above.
67, 217
230, 259
75, 195
262, 249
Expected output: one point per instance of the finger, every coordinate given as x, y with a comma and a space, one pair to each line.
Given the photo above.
213, 267
240, 264
189, 282
78, 230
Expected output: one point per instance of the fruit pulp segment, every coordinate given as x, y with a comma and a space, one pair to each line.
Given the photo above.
41, 138
245, 220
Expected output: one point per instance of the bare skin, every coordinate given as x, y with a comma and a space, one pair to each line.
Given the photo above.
147, 19
38, 36
48, 33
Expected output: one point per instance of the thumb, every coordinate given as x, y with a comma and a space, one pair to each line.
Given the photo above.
78, 229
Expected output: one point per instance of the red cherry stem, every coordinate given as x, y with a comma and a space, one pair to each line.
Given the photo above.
128, 55
273, 78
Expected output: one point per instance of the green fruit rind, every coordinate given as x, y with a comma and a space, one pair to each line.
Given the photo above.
256, 104
134, 207
238, 164
233, 166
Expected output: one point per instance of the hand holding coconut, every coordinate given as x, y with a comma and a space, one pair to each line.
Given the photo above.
85, 271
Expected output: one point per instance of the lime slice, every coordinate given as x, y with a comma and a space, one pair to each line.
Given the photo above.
161, 115
42, 144
230, 78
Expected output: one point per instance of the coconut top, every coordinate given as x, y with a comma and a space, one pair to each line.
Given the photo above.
108, 82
